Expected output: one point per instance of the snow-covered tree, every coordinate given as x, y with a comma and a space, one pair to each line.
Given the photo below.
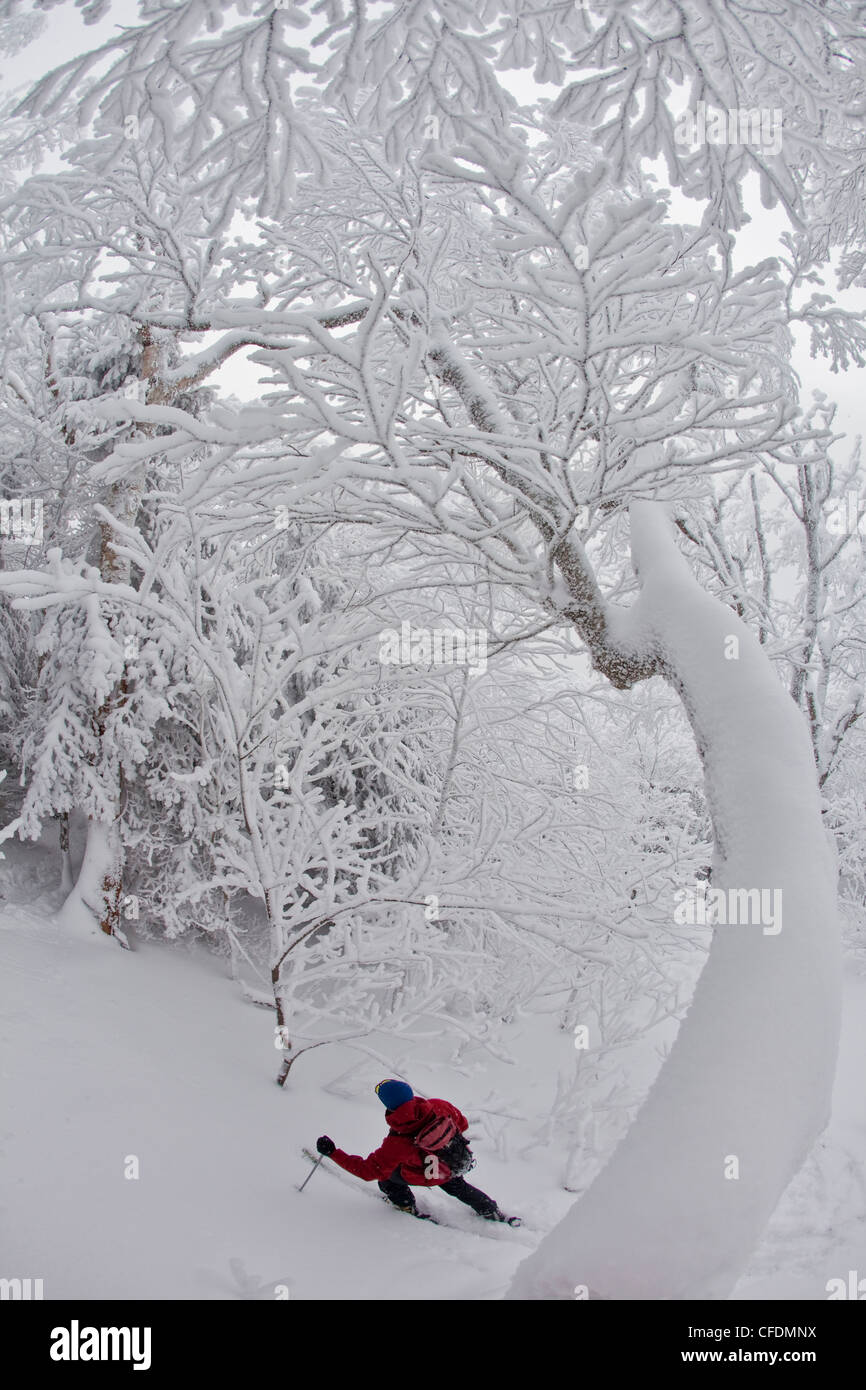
756, 532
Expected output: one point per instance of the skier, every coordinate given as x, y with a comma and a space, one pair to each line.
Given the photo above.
423, 1136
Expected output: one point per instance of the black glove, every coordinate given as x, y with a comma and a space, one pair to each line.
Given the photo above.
325, 1145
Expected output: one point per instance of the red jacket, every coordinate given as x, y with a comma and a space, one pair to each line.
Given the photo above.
398, 1150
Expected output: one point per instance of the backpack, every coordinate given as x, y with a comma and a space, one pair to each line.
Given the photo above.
441, 1141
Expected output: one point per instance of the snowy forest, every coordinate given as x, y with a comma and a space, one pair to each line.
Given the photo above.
433, 642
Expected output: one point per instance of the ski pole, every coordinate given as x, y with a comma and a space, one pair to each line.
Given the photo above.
311, 1172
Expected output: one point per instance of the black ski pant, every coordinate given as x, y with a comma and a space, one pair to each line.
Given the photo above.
401, 1194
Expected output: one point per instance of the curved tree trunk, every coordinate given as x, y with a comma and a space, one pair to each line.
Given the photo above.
746, 1088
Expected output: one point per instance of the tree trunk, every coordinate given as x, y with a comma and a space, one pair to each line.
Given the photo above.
281, 1033
66, 879
100, 881
746, 1088
95, 903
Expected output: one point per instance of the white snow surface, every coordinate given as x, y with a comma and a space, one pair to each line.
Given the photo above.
151, 1052
106, 1054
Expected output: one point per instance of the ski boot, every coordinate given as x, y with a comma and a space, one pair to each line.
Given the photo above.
411, 1210
497, 1215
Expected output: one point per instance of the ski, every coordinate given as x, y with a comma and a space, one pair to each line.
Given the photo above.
357, 1184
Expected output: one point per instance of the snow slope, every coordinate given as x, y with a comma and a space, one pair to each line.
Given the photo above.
106, 1054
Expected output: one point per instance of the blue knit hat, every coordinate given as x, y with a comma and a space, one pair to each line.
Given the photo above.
393, 1093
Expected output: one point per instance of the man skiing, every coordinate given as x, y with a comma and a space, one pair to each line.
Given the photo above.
423, 1136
